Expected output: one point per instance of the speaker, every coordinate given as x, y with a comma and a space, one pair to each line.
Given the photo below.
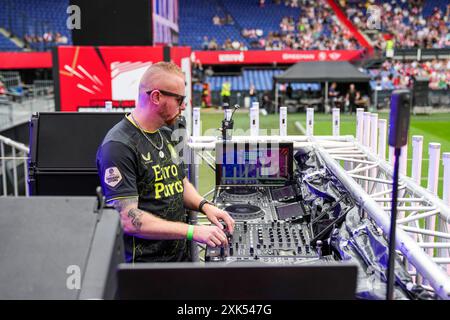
63, 148
58, 248
113, 22
420, 91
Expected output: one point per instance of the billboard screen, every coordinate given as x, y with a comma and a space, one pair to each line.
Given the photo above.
88, 76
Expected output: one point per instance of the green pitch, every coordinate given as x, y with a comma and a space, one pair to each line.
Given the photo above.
433, 128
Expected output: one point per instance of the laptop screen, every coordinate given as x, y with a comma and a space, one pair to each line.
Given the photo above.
262, 163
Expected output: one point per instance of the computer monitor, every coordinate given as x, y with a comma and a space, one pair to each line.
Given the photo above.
236, 281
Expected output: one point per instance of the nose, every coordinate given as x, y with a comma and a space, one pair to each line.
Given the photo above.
183, 105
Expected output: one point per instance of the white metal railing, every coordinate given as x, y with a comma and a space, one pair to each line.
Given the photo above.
13, 155
359, 163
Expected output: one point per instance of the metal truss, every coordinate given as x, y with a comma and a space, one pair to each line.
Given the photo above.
422, 225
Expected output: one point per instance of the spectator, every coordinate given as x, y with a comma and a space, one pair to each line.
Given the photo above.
206, 95
216, 20
209, 72
225, 93
289, 91
267, 103
351, 97
2, 89
333, 94
213, 44
205, 43
3, 96
253, 94
229, 19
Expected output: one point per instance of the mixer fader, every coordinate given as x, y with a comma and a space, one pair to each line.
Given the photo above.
253, 241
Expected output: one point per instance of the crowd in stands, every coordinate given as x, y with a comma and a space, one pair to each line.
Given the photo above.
288, 3
211, 44
49, 38
315, 28
218, 21
395, 74
403, 22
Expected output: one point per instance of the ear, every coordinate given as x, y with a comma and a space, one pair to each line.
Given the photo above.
155, 97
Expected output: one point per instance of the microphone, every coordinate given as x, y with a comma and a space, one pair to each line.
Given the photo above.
398, 137
228, 123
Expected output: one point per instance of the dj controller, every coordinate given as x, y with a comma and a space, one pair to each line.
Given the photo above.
259, 204
272, 226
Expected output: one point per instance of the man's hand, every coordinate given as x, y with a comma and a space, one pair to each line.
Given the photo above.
214, 214
211, 235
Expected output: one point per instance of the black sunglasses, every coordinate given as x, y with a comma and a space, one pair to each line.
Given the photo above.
180, 99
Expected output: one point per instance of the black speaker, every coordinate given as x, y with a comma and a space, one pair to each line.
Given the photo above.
420, 91
63, 148
114, 22
58, 248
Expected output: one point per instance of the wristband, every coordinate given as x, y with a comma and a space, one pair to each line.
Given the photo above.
190, 233
202, 203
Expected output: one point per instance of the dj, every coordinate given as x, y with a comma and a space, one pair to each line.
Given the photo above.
143, 178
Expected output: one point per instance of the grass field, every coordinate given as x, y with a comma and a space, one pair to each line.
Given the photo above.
433, 128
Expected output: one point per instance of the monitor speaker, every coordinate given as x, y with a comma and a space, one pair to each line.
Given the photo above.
58, 248
63, 148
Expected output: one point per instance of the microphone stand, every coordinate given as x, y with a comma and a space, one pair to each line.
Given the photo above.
228, 124
392, 253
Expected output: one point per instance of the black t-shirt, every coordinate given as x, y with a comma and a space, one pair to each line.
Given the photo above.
352, 96
130, 166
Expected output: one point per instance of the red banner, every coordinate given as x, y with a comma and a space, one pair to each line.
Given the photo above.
25, 60
269, 57
88, 76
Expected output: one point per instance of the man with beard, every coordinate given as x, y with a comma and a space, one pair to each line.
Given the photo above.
143, 178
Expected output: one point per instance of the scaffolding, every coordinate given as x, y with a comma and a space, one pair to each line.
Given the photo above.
423, 240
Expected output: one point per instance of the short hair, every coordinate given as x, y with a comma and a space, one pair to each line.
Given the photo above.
168, 67
158, 68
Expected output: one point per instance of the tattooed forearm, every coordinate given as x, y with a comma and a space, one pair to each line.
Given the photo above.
130, 215
135, 215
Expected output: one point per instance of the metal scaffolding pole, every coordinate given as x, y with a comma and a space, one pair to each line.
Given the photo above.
416, 202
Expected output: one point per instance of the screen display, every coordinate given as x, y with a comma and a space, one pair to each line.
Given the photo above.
253, 163
87, 76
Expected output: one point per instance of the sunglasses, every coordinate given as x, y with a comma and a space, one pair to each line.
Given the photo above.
180, 99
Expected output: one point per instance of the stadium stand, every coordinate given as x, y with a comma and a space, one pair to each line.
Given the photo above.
411, 24
40, 24
196, 24
395, 74
262, 79
277, 25
6, 44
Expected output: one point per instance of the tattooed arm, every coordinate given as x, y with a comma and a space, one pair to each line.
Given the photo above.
145, 225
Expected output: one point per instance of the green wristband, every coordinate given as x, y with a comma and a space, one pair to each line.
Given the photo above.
190, 233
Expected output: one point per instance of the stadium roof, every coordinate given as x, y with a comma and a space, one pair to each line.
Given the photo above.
323, 71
